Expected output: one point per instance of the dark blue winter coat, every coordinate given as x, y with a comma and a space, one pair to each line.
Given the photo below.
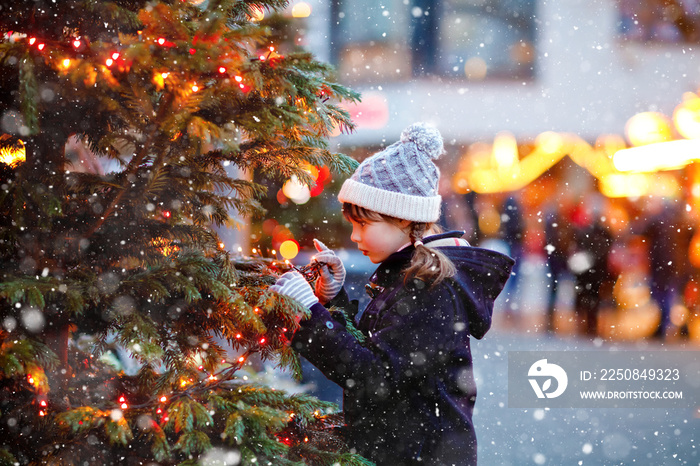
409, 390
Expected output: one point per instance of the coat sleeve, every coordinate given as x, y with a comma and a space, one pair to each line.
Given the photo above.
414, 337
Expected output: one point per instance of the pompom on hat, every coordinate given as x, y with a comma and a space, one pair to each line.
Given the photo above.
401, 181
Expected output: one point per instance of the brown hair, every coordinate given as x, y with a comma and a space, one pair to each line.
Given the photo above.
427, 264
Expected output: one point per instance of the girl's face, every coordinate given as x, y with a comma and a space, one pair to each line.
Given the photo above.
379, 239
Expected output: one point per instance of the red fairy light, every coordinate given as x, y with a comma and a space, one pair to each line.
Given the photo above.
262, 57
158, 411
262, 341
122, 399
124, 406
41, 46
109, 62
166, 213
192, 51
163, 399
76, 43
238, 78
115, 55
30, 379
161, 41
222, 70
238, 335
32, 40
42, 413
241, 359
201, 368
43, 403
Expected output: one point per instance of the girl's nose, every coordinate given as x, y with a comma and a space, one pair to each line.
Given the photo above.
355, 236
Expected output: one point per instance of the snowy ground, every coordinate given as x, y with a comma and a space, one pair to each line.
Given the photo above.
509, 436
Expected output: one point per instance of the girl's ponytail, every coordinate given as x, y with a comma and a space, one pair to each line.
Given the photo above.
427, 264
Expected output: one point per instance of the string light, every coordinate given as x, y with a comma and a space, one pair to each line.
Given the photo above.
163, 399
32, 40
43, 403
66, 63
195, 88
241, 359
122, 402
238, 78
161, 41
222, 70
41, 46
262, 341
115, 55
76, 43
109, 62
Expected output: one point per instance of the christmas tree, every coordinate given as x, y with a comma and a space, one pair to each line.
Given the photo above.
176, 97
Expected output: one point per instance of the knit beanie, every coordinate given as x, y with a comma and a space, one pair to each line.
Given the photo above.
401, 181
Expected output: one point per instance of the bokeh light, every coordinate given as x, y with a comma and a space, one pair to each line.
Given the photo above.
289, 249
298, 192
648, 128
301, 10
686, 117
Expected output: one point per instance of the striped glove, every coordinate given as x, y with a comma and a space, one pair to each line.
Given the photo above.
331, 273
294, 285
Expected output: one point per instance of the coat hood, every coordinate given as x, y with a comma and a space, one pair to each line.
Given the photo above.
480, 278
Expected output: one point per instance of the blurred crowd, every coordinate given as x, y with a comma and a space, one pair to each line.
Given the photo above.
660, 20
612, 267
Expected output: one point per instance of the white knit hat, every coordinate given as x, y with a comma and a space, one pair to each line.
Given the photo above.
401, 181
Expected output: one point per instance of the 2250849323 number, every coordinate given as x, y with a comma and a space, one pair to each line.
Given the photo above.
639, 374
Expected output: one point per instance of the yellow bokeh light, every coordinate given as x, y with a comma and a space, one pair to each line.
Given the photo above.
301, 10
654, 157
686, 117
257, 14
648, 128
289, 249
505, 150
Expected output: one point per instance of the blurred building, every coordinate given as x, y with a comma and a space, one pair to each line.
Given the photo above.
478, 67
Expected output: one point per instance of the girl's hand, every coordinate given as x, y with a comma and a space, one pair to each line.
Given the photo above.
294, 285
331, 273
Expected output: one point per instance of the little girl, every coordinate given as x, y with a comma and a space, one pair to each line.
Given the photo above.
408, 389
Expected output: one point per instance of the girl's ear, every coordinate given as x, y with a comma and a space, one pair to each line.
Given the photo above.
405, 224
